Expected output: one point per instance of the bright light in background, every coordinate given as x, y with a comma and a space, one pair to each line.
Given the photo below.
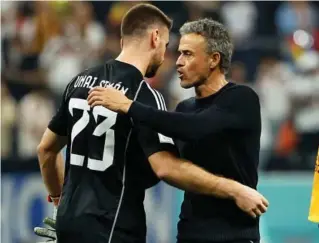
303, 39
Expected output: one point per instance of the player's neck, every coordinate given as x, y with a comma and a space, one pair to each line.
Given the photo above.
213, 84
133, 56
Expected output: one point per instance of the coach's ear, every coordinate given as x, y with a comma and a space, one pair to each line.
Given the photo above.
215, 59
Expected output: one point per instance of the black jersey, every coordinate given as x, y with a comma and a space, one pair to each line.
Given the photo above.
220, 133
104, 152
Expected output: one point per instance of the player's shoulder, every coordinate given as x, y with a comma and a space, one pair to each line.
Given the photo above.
148, 95
97, 70
147, 88
92, 71
89, 72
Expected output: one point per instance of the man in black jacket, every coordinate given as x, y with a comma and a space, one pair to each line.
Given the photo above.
219, 130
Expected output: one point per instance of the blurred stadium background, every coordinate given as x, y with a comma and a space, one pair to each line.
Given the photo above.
44, 44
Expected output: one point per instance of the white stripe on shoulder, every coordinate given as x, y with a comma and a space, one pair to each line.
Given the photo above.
158, 102
162, 99
138, 90
161, 106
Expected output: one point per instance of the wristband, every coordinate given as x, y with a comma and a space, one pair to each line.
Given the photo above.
51, 198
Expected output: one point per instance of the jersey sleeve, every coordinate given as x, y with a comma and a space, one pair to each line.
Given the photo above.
59, 121
240, 109
150, 140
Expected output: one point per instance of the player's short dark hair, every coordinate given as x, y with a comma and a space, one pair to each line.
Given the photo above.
217, 38
138, 19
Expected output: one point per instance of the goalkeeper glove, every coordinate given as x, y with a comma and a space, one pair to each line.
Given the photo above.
48, 232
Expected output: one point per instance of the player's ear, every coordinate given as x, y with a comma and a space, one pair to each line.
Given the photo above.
215, 59
121, 43
155, 38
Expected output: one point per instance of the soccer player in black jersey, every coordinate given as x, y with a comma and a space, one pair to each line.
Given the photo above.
219, 130
110, 161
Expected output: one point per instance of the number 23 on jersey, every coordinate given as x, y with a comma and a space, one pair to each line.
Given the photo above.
103, 128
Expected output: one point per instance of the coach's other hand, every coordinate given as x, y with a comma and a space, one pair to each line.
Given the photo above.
110, 98
250, 201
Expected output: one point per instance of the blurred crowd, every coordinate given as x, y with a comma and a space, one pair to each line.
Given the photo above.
45, 44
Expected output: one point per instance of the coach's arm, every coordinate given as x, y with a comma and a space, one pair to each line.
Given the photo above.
51, 162
243, 111
185, 175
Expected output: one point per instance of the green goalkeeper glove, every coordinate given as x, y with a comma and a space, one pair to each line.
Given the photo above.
50, 231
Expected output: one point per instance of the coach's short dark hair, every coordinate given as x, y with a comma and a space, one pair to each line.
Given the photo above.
138, 19
217, 38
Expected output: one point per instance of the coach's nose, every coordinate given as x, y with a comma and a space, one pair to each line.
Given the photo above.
180, 62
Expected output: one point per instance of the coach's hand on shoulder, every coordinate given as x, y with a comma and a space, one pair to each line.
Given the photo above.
110, 98
250, 201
